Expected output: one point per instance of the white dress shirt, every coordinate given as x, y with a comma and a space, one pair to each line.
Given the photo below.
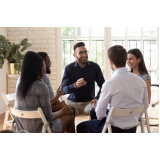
124, 90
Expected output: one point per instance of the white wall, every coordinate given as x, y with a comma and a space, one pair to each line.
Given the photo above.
3, 71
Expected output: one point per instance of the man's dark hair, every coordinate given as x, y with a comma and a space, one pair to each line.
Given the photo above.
79, 44
43, 55
31, 71
118, 55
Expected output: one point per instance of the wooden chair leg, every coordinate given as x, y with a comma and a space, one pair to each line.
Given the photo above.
147, 122
5, 120
109, 128
105, 128
142, 126
43, 129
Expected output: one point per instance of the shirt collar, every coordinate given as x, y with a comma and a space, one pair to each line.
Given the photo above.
76, 64
120, 70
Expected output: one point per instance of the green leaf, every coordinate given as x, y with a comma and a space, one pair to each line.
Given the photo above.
24, 48
28, 45
8, 48
17, 46
13, 44
21, 56
13, 50
4, 44
2, 38
17, 67
15, 56
6, 55
18, 57
1, 63
24, 42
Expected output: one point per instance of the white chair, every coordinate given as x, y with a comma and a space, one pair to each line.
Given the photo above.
31, 115
124, 113
7, 98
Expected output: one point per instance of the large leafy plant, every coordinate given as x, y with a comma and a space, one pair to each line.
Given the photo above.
12, 52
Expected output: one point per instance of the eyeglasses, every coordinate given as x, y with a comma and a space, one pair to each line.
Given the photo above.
50, 63
85, 52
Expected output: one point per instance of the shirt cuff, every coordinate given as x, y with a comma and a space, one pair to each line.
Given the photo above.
71, 86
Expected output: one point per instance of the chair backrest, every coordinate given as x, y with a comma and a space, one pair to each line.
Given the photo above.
8, 97
31, 115
126, 112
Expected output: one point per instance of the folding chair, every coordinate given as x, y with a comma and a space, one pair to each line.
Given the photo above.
31, 115
126, 113
7, 98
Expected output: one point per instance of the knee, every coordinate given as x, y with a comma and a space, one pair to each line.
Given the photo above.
80, 128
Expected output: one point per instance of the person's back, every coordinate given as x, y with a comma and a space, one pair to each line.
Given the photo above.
124, 91
127, 92
36, 97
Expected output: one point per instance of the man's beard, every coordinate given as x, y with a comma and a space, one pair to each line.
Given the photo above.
80, 61
48, 71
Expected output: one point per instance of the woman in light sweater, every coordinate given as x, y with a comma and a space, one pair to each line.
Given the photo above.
32, 93
136, 63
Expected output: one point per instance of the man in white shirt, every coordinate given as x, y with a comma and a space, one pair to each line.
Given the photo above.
123, 90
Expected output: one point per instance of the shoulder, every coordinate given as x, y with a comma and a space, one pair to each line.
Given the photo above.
39, 86
71, 65
145, 77
94, 65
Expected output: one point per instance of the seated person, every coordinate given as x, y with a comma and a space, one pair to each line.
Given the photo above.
123, 90
79, 81
136, 63
56, 104
32, 93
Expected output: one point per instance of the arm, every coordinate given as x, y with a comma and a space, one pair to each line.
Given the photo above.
46, 105
67, 86
100, 80
103, 101
149, 89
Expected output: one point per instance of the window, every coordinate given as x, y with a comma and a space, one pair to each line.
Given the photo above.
93, 37
99, 39
143, 38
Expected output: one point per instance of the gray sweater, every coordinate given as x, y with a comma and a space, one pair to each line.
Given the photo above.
37, 96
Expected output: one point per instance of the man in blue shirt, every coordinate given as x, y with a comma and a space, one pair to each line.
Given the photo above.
79, 81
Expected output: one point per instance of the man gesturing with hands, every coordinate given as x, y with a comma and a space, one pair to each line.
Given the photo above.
79, 81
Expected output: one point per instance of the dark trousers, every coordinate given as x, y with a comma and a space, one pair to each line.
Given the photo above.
96, 126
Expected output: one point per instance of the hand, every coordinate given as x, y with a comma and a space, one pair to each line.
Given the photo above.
94, 101
80, 82
67, 110
63, 104
59, 92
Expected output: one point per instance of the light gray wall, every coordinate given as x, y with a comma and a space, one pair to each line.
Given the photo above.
3, 71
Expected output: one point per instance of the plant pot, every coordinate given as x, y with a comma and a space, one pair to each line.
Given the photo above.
12, 69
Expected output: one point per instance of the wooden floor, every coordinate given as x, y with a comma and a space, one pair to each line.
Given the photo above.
153, 113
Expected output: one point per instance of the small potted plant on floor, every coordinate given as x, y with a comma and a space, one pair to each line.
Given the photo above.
12, 52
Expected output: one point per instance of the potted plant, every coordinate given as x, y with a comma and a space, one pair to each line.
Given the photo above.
12, 52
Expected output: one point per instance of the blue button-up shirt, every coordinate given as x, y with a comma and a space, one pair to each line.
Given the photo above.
91, 73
